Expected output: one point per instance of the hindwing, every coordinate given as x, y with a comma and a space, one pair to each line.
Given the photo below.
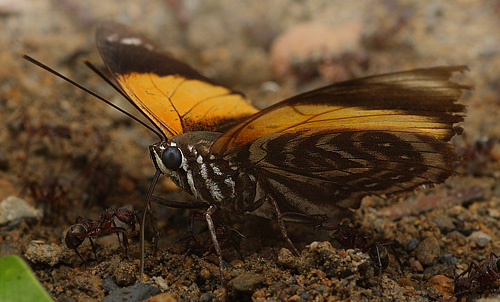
306, 170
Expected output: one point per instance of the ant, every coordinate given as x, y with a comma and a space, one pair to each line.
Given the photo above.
105, 225
48, 192
480, 149
350, 238
43, 129
478, 155
464, 282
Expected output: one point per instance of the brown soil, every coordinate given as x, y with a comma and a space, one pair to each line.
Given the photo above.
105, 163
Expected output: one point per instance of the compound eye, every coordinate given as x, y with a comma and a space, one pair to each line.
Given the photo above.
172, 158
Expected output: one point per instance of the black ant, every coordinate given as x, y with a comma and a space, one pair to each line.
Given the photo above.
480, 149
105, 225
477, 155
349, 238
474, 273
43, 129
48, 192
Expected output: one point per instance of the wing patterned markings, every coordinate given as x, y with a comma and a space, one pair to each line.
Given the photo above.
394, 112
262, 148
271, 168
211, 107
148, 112
431, 120
171, 103
354, 187
359, 189
309, 122
291, 170
389, 160
370, 167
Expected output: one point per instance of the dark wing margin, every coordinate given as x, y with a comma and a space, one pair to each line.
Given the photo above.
124, 51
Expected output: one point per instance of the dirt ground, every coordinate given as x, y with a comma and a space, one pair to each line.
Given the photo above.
70, 155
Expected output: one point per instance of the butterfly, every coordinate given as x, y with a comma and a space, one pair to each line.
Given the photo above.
313, 155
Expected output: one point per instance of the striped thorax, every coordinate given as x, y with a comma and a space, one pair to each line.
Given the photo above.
186, 159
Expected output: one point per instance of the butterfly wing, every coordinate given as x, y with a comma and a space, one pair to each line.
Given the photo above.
323, 171
422, 100
171, 94
378, 135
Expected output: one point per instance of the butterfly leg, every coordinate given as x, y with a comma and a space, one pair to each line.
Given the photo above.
281, 224
213, 234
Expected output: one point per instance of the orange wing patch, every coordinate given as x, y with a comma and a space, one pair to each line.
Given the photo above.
295, 117
419, 101
178, 105
171, 94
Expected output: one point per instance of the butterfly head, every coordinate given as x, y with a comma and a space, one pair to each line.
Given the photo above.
180, 157
167, 157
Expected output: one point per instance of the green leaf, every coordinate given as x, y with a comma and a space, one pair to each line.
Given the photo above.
18, 283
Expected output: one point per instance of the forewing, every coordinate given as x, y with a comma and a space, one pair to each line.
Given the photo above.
322, 170
174, 96
421, 101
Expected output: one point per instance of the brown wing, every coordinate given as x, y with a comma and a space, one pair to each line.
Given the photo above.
175, 97
322, 151
420, 101
322, 171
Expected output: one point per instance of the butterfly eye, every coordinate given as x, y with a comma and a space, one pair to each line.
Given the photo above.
172, 158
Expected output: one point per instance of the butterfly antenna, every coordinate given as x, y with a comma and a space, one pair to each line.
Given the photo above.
110, 83
47, 68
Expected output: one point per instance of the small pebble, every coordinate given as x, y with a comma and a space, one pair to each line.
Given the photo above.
136, 292
406, 282
442, 283
13, 208
247, 282
428, 251
109, 284
412, 244
124, 274
41, 253
286, 258
495, 213
162, 283
305, 295
446, 258
323, 289
313, 246
163, 297
276, 287
444, 223
416, 266
480, 238
206, 297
